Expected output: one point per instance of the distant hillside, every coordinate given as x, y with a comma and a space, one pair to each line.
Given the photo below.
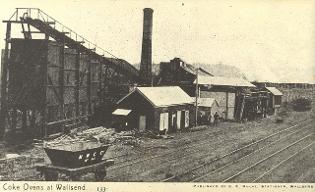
216, 70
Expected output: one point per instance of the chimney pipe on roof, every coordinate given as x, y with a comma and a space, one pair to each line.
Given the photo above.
146, 54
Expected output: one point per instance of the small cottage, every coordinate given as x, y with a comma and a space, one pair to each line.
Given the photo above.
158, 109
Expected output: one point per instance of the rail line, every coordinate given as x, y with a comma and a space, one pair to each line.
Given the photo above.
189, 162
247, 169
205, 136
242, 159
187, 155
187, 141
281, 163
139, 160
187, 145
229, 157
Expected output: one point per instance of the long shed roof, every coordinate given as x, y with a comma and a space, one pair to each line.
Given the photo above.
223, 81
163, 96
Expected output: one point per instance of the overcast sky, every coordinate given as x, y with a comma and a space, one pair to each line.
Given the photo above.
270, 40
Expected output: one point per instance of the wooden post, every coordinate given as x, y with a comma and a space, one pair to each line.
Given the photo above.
44, 110
101, 84
4, 81
196, 98
77, 84
89, 85
61, 80
227, 106
44, 122
242, 106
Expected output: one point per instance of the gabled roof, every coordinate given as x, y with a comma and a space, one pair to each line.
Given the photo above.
274, 91
206, 102
223, 81
163, 96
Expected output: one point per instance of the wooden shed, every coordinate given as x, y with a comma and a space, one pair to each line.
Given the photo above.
159, 109
121, 119
207, 107
275, 99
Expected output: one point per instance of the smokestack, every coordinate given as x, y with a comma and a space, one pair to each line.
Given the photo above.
146, 54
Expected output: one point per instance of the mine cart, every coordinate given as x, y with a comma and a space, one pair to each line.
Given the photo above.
75, 159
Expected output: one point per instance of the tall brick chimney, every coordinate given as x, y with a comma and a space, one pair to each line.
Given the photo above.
146, 54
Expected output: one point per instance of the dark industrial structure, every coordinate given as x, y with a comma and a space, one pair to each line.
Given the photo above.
237, 98
60, 79
178, 73
146, 54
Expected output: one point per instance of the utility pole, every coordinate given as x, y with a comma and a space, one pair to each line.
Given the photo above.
196, 97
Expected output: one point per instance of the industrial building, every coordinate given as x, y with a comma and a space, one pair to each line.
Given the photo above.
235, 96
61, 81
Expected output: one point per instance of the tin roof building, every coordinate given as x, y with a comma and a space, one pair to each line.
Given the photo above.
158, 109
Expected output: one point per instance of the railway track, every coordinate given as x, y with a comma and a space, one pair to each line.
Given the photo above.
258, 168
269, 172
186, 140
188, 151
187, 143
239, 170
202, 169
190, 163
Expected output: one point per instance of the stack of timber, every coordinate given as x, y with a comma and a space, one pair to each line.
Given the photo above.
97, 134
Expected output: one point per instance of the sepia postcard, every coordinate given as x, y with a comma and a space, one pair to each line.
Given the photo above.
112, 95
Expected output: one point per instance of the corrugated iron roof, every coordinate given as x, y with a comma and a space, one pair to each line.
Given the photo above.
206, 102
223, 81
274, 91
123, 112
163, 96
